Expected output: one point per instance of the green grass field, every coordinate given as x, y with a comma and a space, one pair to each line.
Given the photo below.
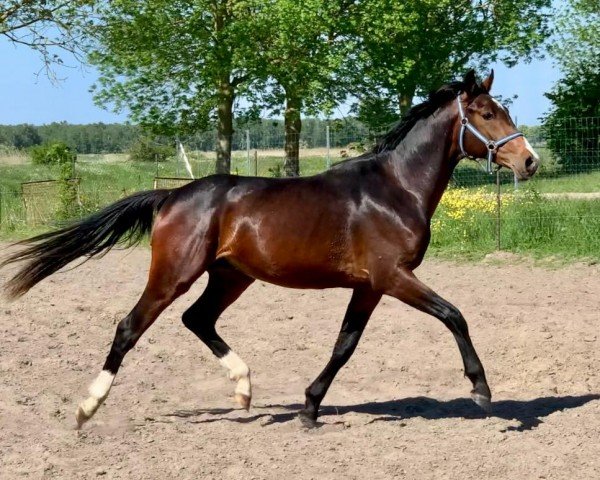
538, 227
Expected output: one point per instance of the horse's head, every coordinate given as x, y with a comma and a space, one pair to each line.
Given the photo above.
487, 131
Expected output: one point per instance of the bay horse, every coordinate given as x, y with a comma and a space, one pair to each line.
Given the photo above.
363, 224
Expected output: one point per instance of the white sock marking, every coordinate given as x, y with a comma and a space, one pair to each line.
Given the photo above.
239, 371
98, 392
101, 386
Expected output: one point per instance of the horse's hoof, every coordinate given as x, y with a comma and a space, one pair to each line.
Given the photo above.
484, 402
306, 419
243, 400
81, 417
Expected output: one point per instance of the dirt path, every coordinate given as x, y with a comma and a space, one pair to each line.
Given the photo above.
398, 410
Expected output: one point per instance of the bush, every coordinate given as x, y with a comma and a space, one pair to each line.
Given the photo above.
276, 171
144, 149
54, 153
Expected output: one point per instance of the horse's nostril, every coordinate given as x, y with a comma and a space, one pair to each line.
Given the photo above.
528, 162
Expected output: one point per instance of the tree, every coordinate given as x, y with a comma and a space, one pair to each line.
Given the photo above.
409, 48
48, 27
177, 64
572, 126
25, 136
304, 48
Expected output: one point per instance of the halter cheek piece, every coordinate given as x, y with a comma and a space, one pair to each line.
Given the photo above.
492, 145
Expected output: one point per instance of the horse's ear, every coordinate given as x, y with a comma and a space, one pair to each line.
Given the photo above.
470, 82
487, 83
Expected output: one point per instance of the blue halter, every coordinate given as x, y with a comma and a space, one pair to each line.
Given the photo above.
492, 145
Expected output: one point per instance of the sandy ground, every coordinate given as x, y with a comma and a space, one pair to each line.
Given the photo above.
398, 410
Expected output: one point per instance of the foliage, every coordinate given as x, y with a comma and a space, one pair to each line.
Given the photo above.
300, 64
177, 66
67, 192
276, 171
376, 113
534, 133
145, 149
20, 136
54, 153
465, 225
100, 138
463, 212
48, 27
409, 48
576, 143
91, 138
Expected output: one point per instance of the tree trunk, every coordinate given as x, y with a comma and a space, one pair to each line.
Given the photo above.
405, 100
224, 126
293, 126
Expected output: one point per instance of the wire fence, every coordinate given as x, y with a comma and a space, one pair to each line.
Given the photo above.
557, 212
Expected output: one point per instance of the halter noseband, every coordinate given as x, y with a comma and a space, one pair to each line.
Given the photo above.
492, 145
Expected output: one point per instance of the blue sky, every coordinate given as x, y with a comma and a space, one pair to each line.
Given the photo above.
27, 98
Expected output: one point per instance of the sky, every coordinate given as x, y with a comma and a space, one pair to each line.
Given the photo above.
29, 98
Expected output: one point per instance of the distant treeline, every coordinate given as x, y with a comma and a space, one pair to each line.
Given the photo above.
92, 138
115, 138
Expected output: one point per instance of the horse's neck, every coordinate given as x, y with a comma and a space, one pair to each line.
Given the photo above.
424, 161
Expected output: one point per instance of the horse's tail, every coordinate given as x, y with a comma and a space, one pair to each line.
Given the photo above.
125, 221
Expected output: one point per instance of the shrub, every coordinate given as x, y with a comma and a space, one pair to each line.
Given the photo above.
53, 153
144, 149
276, 171
67, 193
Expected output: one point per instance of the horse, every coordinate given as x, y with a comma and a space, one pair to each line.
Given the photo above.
364, 224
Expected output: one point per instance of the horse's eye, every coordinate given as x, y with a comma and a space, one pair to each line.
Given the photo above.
487, 116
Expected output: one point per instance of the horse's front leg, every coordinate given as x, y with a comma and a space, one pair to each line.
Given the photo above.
404, 286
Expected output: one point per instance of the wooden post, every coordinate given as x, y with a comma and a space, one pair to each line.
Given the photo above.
248, 151
256, 163
328, 147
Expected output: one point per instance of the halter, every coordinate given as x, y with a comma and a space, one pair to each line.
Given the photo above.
492, 145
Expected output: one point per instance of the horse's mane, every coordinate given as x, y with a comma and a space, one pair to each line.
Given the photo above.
390, 140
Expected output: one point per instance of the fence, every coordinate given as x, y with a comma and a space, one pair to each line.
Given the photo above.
557, 212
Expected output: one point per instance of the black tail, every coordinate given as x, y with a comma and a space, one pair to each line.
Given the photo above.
125, 221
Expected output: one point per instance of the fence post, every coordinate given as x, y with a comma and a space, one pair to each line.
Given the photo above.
498, 204
248, 151
328, 146
516, 180
256, 163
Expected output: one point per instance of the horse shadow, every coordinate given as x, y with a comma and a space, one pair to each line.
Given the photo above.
529, 413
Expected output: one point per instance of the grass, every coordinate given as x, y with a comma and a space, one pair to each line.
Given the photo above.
530, 225
581, 183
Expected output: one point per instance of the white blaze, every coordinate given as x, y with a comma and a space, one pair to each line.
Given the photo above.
498, 103
531, 150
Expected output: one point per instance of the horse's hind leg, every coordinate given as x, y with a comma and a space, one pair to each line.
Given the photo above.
172, 272
225, 285
361, 306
